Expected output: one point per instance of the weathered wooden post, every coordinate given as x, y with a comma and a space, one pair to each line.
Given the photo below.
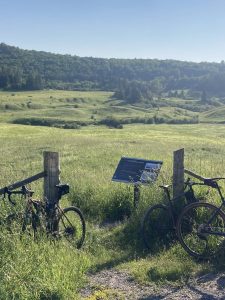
178, 172
52, 171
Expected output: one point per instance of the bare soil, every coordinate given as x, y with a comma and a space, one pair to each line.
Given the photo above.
207, 287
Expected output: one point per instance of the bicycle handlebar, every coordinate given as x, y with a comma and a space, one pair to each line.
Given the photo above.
212, 182
24, 191
215, 178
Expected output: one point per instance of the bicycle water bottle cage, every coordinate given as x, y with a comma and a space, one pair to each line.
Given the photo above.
63, 189
190, 196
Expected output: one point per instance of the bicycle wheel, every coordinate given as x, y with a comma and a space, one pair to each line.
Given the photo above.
71, 225
195, 233
157, 227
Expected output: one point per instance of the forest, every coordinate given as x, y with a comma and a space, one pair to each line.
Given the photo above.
132, 80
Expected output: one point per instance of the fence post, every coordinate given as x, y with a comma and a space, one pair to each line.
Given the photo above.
178, 172
52, 171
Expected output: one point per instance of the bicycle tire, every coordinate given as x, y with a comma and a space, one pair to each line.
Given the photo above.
157, 227
191, 230
71, 226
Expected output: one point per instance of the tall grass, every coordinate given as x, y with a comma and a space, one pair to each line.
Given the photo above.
39, 270
30, 270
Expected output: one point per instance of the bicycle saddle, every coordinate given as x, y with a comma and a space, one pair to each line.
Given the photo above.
165, 187
63, 189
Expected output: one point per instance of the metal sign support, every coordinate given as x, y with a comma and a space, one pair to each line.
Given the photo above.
137, 194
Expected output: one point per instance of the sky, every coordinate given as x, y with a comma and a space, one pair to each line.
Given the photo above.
188, 30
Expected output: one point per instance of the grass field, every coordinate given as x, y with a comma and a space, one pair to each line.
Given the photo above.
84, 107
89, 156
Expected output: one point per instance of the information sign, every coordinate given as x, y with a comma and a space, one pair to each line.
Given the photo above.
137, 171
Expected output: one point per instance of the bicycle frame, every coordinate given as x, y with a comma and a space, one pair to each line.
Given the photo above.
170, 206
215, 213
42, 216
175, 199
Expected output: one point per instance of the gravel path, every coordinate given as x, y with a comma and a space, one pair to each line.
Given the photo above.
207, 287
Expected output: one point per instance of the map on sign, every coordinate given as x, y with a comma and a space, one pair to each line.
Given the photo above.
137, 171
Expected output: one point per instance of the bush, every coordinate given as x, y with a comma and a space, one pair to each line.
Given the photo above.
119, 207
111, 122
50, 122
11, 106
71, 126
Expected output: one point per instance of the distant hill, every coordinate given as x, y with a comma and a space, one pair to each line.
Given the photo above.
133, 80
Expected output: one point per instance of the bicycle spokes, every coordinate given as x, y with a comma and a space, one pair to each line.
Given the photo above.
200, 237
71, 226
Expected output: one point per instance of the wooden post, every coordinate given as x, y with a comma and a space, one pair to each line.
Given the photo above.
178, 172
52, 171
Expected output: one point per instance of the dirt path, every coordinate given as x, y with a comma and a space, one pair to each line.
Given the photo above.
207, 287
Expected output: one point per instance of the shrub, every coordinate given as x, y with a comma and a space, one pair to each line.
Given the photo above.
50, 122
111, 122
11, 106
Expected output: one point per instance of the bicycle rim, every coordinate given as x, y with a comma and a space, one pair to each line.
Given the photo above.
71, 226
194, 232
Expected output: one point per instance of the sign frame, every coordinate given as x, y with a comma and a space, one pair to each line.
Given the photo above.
137, 168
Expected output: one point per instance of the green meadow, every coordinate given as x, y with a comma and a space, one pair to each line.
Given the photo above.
88, 158
83, 107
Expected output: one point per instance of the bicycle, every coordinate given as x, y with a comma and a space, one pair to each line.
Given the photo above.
201, 225
41, 216
158, 225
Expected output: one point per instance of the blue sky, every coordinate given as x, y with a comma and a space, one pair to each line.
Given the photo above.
192, 30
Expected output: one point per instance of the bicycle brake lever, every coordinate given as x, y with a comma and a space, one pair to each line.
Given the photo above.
5, 192
12, 202
9, 196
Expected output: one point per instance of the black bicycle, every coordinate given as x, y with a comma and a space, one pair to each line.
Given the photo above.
159, 223
201, 225
40, 217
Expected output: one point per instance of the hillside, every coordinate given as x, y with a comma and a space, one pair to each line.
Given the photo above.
130, 90
215, 115
72, 109
25, 69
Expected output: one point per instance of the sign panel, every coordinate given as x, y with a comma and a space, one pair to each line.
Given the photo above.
137, 171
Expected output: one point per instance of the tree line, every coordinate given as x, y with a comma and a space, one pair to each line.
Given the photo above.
130, 79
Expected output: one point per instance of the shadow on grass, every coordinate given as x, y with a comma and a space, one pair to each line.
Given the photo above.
46, 295
125, 239
110, 264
